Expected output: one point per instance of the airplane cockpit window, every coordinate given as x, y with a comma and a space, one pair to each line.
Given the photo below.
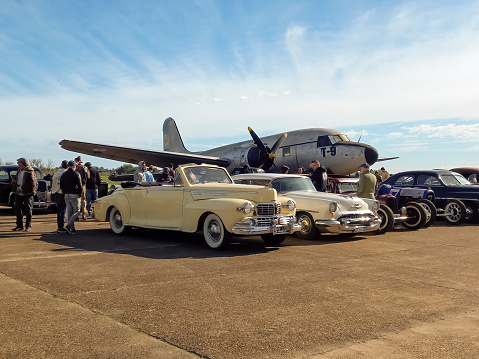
324, 141
404, 181
426, 180
336, 138
344, 137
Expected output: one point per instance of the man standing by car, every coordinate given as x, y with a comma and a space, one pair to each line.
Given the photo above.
71, 186
24, 186
319, 176
58, 197
92, 184
367, 182
84, 175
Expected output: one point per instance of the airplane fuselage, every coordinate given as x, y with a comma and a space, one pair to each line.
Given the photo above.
330, 147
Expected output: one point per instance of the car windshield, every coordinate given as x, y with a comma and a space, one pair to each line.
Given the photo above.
292, 184
207, 175
347, 187
454, 180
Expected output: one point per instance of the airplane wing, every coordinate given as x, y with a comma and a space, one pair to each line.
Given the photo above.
386, 159
134, 155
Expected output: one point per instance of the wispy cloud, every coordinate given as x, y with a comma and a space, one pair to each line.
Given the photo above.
469, 132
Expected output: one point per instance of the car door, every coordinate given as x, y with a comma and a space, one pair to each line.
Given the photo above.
428, 181
164, 206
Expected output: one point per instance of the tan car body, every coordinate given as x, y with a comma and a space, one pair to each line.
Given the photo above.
184, 205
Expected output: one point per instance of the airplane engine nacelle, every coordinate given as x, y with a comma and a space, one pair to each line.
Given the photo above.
250, 155
240, 156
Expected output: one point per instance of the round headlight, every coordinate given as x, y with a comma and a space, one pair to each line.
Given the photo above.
376, 206
291, 205
246, 207
333, 206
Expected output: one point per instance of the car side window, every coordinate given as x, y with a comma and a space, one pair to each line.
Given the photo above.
4, 175
406, 180
178, 181
428, 180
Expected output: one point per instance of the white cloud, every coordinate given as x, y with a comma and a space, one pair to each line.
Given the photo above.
395, 135
469, 132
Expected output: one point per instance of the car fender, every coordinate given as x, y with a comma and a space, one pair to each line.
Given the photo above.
103, 206
225, 208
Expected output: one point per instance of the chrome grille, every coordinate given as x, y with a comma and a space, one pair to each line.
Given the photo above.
268, 209
264, 222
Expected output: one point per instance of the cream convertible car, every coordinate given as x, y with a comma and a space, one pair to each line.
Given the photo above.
201, 198
319, 212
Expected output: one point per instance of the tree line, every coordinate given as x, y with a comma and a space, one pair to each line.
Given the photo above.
49, 168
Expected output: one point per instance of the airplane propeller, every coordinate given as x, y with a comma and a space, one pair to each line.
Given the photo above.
266, 155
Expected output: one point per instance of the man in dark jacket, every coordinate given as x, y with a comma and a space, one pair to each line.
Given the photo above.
92, 184
71, 186
84, 175
24, 186
319, 176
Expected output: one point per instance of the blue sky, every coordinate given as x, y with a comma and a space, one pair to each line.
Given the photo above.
403, 74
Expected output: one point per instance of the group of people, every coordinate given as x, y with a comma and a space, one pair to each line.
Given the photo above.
369, 181
144, 174
74, 189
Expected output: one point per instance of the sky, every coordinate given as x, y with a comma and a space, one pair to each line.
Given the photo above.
401, 75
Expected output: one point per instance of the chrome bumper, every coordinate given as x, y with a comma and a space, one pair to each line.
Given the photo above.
261, 225
356, 225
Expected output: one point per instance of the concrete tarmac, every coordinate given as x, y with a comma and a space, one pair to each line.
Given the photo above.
162, 294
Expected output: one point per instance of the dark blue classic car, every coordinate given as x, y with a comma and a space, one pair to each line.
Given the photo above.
42, 198
455, 198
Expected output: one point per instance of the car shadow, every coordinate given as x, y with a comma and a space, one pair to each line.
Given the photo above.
154, 244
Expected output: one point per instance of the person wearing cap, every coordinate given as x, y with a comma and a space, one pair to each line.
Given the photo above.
84, 175
71, 186
139, 175
92, 184
149, 174
284, 169
24, 186
58, 197
367, 182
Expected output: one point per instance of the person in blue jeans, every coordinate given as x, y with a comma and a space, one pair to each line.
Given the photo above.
92, 185
58, 197
71, 186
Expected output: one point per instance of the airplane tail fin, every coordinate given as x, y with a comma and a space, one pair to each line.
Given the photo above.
171, 137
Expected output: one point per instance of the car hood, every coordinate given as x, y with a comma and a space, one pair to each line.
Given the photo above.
345, 202
223, 190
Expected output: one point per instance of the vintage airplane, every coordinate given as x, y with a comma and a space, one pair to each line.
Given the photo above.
332, 148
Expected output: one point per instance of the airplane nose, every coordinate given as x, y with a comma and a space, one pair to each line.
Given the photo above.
371, 155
